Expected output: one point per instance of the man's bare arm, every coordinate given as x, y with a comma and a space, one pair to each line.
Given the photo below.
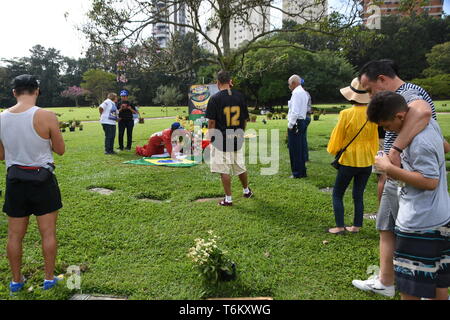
417, 118
58, 145
2, 151
412, 178
446, 146
211, 126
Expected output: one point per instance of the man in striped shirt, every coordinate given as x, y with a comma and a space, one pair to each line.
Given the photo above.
377, 76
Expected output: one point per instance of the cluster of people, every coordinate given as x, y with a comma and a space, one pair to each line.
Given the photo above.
414, 212
123, 112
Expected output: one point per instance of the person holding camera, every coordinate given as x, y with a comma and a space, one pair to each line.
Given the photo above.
126, 120
29, 135
359, 138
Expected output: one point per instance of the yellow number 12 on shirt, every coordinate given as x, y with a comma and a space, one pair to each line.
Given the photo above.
232, 121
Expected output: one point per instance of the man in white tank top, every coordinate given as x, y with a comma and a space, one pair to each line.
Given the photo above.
29, 135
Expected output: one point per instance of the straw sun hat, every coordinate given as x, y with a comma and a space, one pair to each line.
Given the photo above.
355, 92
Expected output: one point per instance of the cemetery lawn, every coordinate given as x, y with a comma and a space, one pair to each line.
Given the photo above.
91, 113
129, 247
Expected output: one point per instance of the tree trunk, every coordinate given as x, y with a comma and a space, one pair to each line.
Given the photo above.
224, 17
226, 38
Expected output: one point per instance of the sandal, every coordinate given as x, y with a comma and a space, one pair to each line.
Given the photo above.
336, 233
346, 228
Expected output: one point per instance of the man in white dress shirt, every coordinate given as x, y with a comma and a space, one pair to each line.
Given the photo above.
298, 106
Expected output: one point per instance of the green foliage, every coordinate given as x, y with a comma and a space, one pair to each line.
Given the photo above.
168, 96
207, 74
405, 39
265, 72
99, 83
438, 86
438, 60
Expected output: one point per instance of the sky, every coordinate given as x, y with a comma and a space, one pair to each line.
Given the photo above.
25, 23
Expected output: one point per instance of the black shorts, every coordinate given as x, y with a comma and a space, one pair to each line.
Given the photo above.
23, 199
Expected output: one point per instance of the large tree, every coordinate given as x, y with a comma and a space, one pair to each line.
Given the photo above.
406, 40
99, 83
264, 74
115, 22
438, 60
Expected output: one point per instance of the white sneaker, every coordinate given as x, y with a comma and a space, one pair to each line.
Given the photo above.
374, 284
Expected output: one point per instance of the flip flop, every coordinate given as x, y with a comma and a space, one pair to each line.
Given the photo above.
351, 231
336, 233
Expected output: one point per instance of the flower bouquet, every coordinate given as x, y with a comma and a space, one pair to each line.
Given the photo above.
211, 261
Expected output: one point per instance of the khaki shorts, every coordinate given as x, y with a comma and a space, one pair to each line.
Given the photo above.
231, 163
388, 210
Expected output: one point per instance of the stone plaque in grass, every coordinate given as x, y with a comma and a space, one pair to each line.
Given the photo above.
327, 189
153, 199
103, 191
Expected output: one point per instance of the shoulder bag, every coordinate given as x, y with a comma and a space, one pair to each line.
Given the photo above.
335, 164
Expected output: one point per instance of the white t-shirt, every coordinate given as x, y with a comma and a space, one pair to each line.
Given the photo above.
109, 112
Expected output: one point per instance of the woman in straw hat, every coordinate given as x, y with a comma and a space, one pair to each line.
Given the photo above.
357, 160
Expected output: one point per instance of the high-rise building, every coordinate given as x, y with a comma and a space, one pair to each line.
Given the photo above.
309, 9
433, 8
175, 13
256, 22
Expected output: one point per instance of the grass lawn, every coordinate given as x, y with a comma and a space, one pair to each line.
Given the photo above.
138, 249
89, 113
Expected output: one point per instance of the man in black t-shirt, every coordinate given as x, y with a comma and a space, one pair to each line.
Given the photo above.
228, 115
126, 121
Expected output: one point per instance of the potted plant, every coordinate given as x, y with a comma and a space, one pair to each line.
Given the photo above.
141, 120
316, 115
72, 126
253, 118
269, 115
81, 127
211, 261
63, 126
283, 116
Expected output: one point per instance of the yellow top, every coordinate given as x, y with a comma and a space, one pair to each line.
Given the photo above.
362, 151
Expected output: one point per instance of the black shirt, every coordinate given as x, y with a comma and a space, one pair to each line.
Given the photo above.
126, 114
230, 112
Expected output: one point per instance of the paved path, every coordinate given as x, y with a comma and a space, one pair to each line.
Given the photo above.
144, 119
